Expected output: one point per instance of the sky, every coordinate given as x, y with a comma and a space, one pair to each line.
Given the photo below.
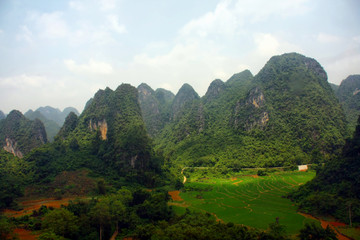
60, 53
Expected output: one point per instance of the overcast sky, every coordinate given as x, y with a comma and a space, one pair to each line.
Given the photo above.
59, 53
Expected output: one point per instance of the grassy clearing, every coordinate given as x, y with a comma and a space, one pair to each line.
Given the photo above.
249, 200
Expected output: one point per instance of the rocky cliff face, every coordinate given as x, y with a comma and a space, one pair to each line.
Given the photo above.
12, 147
20, 135
101, 125
251, 113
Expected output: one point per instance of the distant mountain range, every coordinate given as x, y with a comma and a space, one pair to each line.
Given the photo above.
52, 118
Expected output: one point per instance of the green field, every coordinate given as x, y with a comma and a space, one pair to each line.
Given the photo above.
249, 200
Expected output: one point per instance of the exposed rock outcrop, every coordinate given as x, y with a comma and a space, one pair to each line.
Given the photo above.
11, 147
101, 125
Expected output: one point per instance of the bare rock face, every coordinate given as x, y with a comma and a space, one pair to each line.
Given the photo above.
11, 147
101, 125
256, 98
251, 113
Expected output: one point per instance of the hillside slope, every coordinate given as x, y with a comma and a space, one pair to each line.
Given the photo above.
19, 135
349, 97
109, 138
287, 114
51, 127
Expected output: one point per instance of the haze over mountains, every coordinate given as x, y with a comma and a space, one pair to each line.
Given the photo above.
286, 114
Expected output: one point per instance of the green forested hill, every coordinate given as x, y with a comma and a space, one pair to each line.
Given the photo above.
349, 97
155, 107
287, 114
20, 135
51, 127
109, 137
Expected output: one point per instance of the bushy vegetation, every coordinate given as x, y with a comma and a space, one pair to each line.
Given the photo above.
335, 190
134, 213
15, 173
286, 115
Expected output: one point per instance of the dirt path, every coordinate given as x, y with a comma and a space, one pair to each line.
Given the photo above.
182, 172
325, 224
113, 237
25, 234
30, 206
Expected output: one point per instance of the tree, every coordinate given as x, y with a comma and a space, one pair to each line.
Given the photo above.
50, 236
62, 222
314, 231
6, 227
101, 214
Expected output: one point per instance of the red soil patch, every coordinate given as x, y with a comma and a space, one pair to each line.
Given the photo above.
254, 176
32, 205
332, 225
233, 178
25, 234
175, 196
338, 224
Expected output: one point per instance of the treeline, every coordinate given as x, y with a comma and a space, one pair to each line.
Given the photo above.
139, 214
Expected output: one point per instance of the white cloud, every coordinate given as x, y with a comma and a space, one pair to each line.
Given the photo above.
23, 81
107, 5
221, 21
114, 24
266, 44
51, 25
77, 5
327, 38
92, 67
229, 16
25, 34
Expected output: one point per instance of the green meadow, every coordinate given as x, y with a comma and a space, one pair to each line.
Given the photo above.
250, 200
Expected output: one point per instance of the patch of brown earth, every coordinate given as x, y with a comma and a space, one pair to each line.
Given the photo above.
30, 206
65, 184
23, 234
332, 225
175, 195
